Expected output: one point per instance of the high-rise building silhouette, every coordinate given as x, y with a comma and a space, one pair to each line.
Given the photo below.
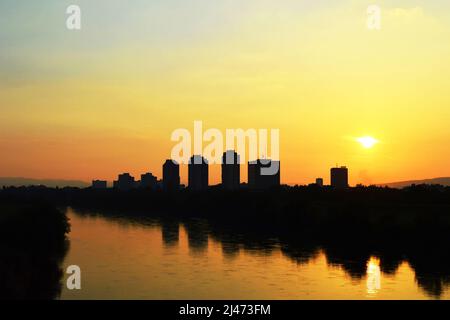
263, 174
198, 173
231, 170
171, 175
125, 182
99, 184
339, 177
148, 181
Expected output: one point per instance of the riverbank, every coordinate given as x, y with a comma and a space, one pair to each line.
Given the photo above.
33, 243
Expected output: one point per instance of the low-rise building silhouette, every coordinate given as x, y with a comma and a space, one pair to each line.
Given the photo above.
319, 182
99, 184
230, 170
125, 182
171, 175
198, 173
263, 174
148, 181
339, 177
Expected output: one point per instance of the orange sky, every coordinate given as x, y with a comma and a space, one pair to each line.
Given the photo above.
103, 100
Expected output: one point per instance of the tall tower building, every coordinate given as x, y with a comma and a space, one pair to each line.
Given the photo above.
198, 173
231, 170
339, 177
171, 175
263, 174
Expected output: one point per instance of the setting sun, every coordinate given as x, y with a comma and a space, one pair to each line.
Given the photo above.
367, 142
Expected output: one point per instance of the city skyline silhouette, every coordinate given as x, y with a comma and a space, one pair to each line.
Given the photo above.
198, 176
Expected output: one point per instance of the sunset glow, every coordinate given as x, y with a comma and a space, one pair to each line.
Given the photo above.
103, 100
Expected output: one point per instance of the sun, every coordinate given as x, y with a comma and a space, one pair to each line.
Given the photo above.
367, 142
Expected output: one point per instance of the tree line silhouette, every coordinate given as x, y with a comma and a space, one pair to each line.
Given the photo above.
33, 245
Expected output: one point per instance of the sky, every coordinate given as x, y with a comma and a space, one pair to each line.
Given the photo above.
91, 103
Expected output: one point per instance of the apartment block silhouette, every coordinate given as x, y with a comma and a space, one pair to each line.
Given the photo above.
230, 170
99, 184
263, 174
198, 173
339, 177
171, 175
148, 181
125, 182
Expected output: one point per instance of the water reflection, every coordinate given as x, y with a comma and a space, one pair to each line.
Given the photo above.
432, 275
373, 276
213, 257
170, 230
197, 231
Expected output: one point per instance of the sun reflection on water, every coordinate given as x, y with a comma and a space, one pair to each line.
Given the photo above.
373, 276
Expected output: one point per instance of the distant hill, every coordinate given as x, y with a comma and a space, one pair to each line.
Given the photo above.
18, 182
443, 181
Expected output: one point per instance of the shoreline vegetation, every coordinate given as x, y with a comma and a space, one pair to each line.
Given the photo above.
348, 225
33, 244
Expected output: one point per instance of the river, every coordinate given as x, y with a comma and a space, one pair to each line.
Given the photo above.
123, 258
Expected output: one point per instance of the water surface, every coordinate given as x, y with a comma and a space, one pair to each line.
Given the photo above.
137, 258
